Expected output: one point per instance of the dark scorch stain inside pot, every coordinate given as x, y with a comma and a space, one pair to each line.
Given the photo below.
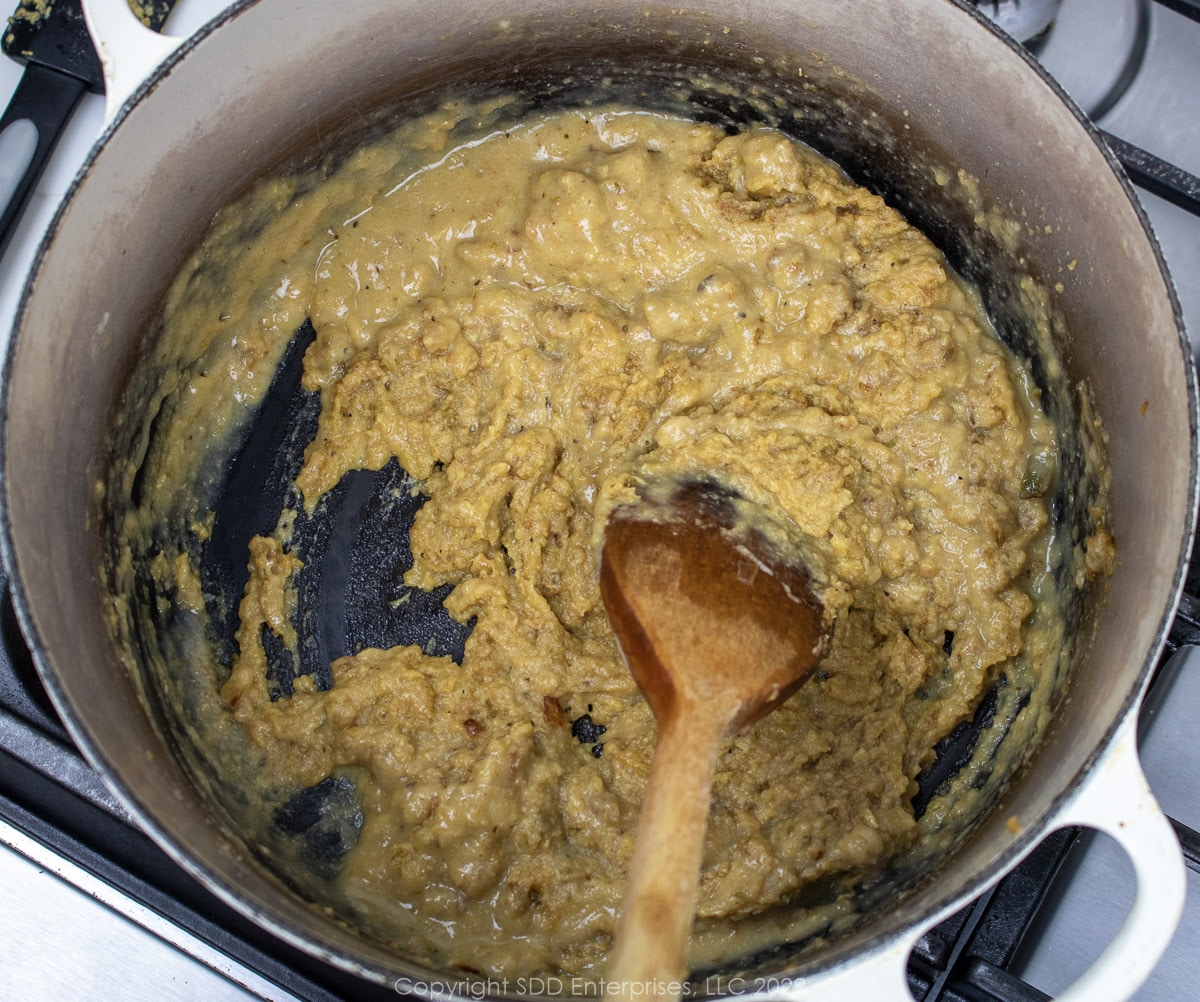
439, 785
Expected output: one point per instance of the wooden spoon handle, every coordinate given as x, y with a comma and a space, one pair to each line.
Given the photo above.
649, 957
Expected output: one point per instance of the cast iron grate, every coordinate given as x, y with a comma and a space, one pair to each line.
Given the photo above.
49, 792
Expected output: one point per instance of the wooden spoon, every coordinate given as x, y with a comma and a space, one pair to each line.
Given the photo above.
719, 625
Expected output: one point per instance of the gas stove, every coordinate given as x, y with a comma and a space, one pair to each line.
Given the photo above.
92, 908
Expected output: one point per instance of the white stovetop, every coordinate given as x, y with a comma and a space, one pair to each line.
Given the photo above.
62, 928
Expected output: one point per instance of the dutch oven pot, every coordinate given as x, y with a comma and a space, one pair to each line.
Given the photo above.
903, 96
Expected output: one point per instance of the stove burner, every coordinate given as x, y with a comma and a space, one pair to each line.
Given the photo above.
1023, 19
1095, 49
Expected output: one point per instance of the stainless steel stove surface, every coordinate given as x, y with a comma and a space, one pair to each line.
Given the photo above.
91, 908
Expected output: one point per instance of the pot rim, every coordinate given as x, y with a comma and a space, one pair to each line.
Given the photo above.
889, 930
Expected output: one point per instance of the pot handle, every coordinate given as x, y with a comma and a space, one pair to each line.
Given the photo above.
129, 51
1115, 799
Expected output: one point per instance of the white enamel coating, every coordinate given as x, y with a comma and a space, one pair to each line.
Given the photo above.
1116, 800
129, 51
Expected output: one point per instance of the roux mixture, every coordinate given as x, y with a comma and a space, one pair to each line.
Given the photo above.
532, 320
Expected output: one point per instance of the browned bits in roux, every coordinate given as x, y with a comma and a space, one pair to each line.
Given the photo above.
552, 712
532, 325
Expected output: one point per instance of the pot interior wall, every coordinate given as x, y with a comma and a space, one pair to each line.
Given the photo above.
1035, 205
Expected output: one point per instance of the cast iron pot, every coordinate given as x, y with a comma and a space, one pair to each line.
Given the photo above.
921, 101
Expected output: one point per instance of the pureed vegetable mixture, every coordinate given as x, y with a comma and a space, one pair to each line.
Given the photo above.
530, 319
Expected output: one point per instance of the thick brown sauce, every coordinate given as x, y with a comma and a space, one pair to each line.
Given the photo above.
533, 321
